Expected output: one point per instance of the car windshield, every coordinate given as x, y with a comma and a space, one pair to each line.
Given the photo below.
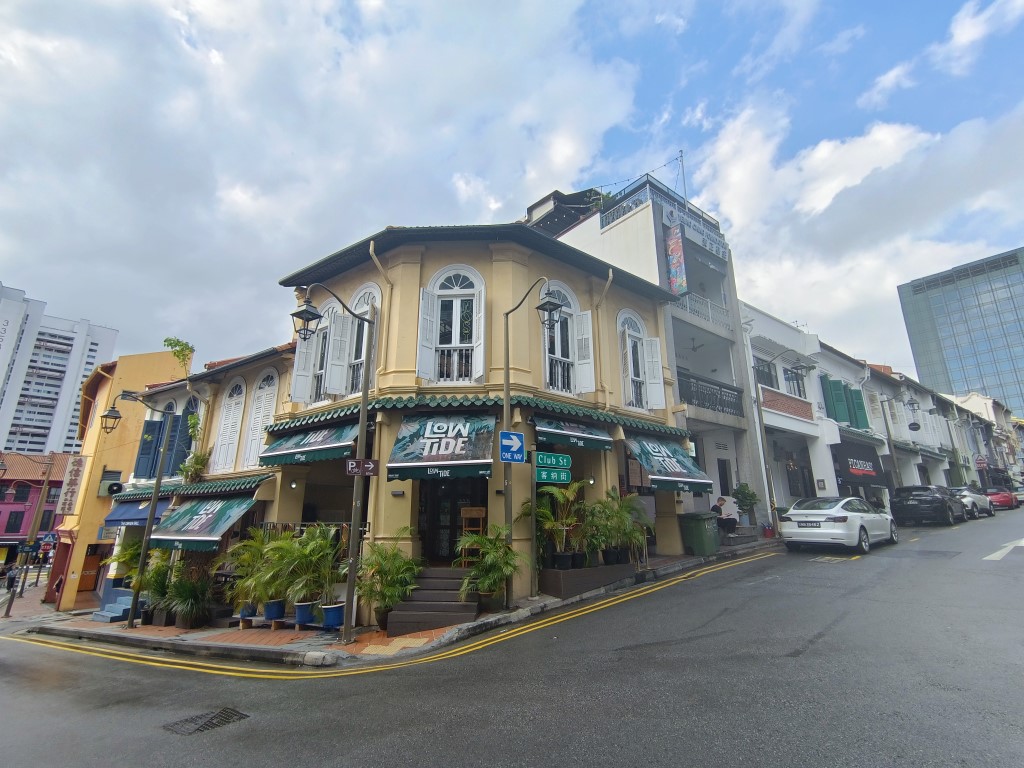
915, 490
995, 490
811, 505
960, 490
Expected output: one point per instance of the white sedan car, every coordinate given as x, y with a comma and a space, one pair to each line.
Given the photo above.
849, 521
974, 503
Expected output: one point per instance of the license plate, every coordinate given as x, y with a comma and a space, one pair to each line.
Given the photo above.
808, 525
911, 501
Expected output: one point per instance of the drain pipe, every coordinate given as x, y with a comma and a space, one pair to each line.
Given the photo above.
596, 331
384, 310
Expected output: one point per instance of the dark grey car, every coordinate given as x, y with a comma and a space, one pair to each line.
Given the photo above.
927, 504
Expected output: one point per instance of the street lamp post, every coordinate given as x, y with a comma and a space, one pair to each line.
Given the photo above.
550, 310
108, 423
306, 319
769, 480
913, 405
33, 531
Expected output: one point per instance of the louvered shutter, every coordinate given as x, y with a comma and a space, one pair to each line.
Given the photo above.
176, 447
425, 357
302, 373
860, 414
149, 448
585, 378
627, 387
876, 407
478, 335
262, 412
826, 396
839, 401
338, 357
655, 376
227, 435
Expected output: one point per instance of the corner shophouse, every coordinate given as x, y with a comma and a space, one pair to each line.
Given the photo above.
593, 387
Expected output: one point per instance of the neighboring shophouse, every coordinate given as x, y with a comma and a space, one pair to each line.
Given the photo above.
30, 488
106, 460
653, 232
998, 441
43, 362
593, 385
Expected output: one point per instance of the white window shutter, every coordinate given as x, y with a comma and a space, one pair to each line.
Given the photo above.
875, 408
627, 387
262, 413
338, 357
478, 335
302, 373
655, 376
585, 379
227, 435
425, 357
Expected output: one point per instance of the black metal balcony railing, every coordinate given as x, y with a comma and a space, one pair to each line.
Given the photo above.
355, 377
639, 394
712, 395
455, 364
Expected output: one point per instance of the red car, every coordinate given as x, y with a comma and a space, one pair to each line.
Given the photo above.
1002, 498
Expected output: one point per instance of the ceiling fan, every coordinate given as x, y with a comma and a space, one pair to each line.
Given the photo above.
696, 346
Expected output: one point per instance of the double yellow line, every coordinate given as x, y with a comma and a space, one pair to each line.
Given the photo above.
301, 674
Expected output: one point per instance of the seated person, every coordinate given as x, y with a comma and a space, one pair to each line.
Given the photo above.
727, 521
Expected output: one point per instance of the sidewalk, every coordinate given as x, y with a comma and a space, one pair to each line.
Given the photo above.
317, 648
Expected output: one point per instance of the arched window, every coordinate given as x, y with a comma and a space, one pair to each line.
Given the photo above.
643, 383
568, 346
261, 412
226, 447
451, 332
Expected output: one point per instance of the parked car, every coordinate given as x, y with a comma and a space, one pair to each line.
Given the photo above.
1002, 498
1018, 493
849, 521
976, 502
927, 504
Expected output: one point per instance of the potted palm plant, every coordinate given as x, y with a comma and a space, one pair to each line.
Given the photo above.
563, 505
154, 584
190, 597
387, 575
625, 522
491, 560
308, 565
253, 584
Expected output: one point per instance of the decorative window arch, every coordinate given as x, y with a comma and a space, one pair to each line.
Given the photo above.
261, 412
643, 383
232, 403
451, 332
568, 346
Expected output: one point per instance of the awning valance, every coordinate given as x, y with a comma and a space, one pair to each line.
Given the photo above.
134, 512
668, 464
442, 445
199, 524
312, 445
561, 432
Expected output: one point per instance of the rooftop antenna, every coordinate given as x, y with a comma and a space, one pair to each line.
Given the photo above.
682, 172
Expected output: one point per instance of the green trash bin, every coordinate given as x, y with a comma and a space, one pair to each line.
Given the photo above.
700, 532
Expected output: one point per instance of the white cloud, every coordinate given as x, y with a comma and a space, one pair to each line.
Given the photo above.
897, 78
697, 116
843, 41
968, 31
788, 39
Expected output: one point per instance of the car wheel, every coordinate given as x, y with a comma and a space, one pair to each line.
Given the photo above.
991, 511
863, 542
894, 536
974, 512
793, 546
950, 518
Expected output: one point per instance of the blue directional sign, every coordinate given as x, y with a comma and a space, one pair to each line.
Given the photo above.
512, 447
48, 538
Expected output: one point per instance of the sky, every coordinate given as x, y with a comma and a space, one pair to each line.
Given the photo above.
163, 163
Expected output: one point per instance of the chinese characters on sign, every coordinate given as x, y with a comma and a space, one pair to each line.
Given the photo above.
69, 490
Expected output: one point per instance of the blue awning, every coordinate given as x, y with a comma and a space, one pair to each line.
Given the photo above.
134, 512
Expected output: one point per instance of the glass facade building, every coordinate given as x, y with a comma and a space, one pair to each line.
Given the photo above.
966, 326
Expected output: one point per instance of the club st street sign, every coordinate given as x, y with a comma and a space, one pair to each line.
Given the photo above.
561, 476
555, 460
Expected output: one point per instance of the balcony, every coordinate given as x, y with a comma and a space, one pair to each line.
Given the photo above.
455, 364
711, 395
706, 310
560, 375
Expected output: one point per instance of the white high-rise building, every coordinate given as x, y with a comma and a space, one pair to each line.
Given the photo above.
43, 362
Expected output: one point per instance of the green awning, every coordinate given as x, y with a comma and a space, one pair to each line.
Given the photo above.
312, 445
198, 525
561, 432
442, 446
668, 464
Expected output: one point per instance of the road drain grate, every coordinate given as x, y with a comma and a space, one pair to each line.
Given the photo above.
205, 722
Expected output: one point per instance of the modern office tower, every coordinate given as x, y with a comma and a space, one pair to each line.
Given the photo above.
966, 326
43, 362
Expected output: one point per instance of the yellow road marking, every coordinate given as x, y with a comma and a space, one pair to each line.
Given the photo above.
298, 674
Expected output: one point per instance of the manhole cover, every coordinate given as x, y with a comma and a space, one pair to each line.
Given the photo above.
205, 722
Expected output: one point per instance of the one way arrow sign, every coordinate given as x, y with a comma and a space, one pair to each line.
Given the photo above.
1007, 548
512, 446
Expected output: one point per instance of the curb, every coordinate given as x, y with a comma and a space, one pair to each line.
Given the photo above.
318, 658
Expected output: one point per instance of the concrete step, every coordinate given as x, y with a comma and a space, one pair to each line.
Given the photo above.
446, 606
429, 594
402, 623
433, 572
109, 617
437, 582
732, 541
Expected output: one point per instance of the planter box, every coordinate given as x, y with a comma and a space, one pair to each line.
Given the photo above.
564, 584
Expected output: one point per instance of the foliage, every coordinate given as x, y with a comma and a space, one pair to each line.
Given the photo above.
307, 566
182, 351
387, 575
127, 557
192, 468
190, 596
157, 577
248, 560
194, 426
492, 563
746, 498
622, 520
557, 511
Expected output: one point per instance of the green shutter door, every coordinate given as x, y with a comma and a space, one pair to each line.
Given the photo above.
839, 400
826, 393
860, 413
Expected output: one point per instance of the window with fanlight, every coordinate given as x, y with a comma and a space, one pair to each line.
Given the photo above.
568, 346
451, 332
643, 382
225, 448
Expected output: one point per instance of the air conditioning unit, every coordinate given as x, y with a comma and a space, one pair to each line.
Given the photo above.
110, 487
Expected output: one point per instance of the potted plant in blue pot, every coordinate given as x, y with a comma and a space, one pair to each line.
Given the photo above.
309, 567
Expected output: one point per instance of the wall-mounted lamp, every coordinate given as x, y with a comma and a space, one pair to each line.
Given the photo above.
293, 485
592, 480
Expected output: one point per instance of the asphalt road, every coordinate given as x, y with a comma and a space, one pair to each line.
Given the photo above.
909, 656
